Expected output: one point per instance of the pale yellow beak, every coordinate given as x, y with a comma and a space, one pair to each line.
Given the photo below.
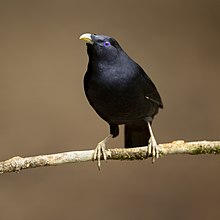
87, 38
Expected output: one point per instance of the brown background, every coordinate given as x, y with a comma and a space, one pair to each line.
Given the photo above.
43, 108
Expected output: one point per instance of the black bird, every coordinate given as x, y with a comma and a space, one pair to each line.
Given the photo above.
121, 93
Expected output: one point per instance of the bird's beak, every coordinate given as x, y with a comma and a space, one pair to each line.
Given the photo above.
87, 38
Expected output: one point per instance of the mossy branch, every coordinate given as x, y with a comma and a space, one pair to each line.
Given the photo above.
18, 163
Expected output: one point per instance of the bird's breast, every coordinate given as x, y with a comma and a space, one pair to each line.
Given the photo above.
116, 97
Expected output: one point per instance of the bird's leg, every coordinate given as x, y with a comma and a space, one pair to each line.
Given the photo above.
153, 148
101, 150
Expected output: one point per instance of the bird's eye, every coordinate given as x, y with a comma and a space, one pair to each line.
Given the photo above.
107, 44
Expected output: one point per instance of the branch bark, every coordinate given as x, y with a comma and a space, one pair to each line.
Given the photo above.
18, 163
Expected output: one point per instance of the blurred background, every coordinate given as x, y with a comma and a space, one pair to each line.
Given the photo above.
43, 108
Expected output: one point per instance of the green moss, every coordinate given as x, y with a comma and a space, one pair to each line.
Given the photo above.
127, 156
205, 150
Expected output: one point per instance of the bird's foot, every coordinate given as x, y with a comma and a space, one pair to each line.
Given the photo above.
100, 150
153, 149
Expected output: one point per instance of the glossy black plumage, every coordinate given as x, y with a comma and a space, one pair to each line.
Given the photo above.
119, 90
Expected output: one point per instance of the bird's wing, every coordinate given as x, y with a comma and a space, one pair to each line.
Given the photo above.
150, 90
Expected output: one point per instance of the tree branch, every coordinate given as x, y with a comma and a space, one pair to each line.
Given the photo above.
17, 163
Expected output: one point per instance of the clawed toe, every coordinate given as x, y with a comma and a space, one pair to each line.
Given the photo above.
100, 150
153, 150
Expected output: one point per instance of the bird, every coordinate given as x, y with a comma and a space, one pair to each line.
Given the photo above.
121, 93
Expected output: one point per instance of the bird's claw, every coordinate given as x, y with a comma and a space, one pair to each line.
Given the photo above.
153, 149
100, 150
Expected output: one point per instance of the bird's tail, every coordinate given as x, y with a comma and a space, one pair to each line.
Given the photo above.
136, 134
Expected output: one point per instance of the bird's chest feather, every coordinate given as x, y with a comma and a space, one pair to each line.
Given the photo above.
115, 94
112, 86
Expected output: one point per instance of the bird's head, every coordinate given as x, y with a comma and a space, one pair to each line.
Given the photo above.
101, 47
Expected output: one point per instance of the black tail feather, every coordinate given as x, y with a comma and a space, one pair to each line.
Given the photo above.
136, 134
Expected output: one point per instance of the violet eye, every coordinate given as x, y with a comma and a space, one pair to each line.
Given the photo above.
107, 44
